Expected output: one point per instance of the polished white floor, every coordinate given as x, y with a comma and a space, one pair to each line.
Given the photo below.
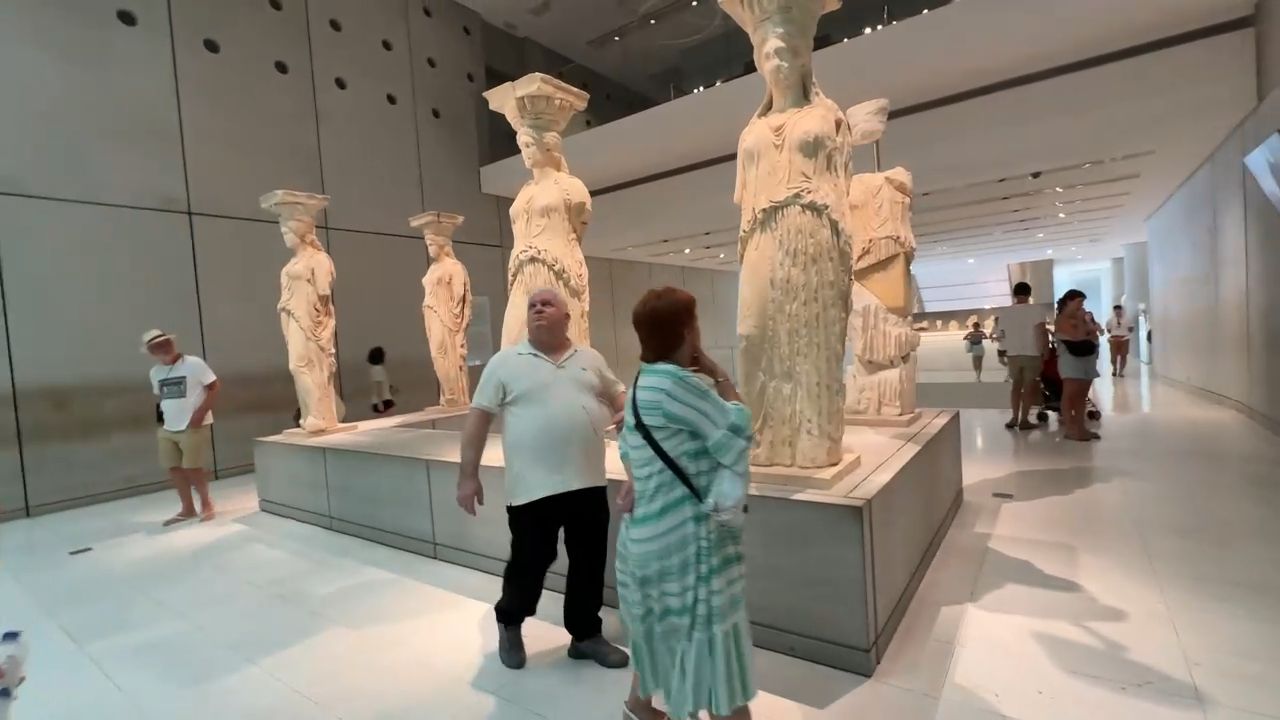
1136, 578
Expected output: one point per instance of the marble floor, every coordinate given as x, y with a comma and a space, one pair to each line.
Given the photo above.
1134, 578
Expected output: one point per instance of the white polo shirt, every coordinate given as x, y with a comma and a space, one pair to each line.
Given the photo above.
554, 418
1118, 327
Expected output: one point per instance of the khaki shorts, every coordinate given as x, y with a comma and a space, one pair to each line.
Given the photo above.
1024, 369
189, 450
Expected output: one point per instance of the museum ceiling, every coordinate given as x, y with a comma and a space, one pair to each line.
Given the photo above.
1058, 140
668, 48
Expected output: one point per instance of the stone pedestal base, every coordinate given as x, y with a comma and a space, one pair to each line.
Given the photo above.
339, 428
810, 478
894, 421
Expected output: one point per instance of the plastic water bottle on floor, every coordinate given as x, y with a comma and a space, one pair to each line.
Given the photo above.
13, 662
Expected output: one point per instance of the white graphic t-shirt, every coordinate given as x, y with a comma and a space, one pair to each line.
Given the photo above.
181, 389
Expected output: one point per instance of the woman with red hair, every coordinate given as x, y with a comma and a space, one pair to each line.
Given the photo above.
681, 581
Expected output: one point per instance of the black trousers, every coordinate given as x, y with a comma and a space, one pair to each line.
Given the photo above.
535, 530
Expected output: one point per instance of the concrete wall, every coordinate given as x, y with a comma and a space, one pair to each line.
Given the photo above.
135, 139
1214, 255
1038, 274
1268, 29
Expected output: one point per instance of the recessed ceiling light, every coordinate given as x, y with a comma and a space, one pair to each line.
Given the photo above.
686, 251
1086, 166
845, 40
722, 255
926, 12
866, 30
1079, 257
970, 259
653, 21
694, 3
879, 27
1048, 252
718, 82
1073, 249
1062, 215
1059, 189
1040, 235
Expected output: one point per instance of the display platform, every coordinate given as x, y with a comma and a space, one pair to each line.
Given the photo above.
892, 421
831, 572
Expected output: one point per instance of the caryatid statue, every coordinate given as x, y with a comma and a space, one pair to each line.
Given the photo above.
307, 317
882, 379
446, 306
794, 160
551, 213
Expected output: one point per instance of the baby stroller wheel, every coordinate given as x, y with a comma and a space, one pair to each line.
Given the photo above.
1042, 416
1093, 415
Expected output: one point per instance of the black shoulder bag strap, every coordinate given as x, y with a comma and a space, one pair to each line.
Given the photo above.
657, 449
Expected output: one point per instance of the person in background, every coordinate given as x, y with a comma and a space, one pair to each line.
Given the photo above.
1022, 331
187, 389
556, 401
1077, 336
973, 344
382, 390
681, 574
1119, 330
1002, 356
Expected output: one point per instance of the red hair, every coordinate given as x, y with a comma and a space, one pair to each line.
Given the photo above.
661, 319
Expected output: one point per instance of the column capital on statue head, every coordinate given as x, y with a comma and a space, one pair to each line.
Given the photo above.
294, 205
442, 224
752, 14
538, 102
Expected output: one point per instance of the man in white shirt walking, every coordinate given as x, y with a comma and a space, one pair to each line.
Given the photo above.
1026, 343
1119, 330
187, 389
556, 401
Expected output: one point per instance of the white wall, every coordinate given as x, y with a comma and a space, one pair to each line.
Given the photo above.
1214, 259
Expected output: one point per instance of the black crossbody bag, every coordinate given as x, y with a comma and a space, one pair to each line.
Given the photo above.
657, 449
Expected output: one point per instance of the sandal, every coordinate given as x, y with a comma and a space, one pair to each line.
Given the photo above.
179, 518
628, 715
1027, 425
1011, 424
208, 515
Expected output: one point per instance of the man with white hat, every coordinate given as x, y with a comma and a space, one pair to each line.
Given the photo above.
187, 389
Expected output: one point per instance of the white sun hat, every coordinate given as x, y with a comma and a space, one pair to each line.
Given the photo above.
152, 337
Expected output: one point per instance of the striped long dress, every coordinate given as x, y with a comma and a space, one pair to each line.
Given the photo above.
681, 578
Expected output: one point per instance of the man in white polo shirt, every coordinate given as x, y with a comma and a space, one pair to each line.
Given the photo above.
187, 389
556, 401
1119, 330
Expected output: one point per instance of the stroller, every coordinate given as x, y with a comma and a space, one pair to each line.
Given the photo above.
1051, 392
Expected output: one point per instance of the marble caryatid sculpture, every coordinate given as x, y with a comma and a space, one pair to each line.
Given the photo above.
446, 306
881, 382
307, 317
551, 212
794, 161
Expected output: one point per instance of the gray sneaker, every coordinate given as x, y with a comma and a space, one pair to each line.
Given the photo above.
511, 646
603, 652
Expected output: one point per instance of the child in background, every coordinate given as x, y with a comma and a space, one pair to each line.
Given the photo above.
382, 390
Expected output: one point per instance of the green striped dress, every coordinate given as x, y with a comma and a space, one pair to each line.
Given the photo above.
681, 578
